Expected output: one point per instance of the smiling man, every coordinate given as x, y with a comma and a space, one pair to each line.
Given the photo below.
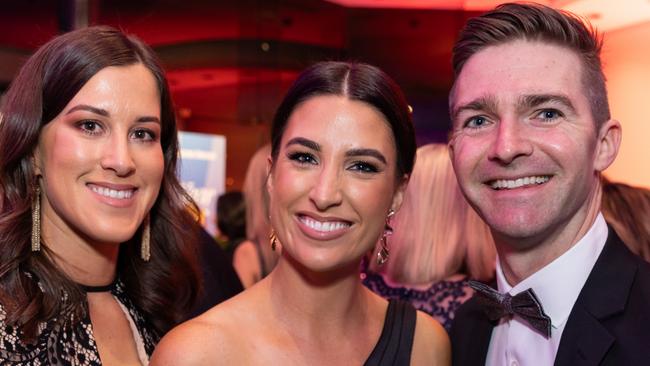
531, 134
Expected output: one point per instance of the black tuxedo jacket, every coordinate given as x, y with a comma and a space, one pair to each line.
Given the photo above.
608, 325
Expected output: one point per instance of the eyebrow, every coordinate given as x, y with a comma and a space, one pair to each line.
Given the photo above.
310, 144
531, 101
366, 152
104, 113
487, 104
304, 142
490, 105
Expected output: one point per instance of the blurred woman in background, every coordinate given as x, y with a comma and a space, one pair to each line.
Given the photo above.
438, 242
254, 258
627, 210
95, 256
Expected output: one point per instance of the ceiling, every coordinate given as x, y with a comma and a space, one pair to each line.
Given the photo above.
229, 62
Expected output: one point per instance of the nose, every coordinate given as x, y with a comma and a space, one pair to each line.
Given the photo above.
326, 190
511, 141
117, 156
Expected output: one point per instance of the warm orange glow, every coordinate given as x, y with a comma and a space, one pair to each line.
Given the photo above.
606, 15
626, 58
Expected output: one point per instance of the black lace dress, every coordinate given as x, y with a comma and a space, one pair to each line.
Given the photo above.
70, 341
440, 300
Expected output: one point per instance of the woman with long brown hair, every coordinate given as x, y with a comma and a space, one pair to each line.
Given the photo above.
95, 256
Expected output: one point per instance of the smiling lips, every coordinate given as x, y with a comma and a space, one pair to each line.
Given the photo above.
120, 194
519, 182
322, 230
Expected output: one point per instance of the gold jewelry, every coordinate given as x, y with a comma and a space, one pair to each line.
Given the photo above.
274, 240
382, 255
36, 218
145, 252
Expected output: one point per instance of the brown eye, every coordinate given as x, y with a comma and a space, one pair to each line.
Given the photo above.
143, 135
90, 127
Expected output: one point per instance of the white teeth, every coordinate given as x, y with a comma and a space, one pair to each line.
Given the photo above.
519, 182
112, 193
324, 226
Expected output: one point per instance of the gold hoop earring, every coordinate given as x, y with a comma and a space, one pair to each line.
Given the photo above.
145, 250
36, 218
274, 240
383, 253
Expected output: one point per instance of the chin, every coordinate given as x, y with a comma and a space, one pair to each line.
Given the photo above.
111, 235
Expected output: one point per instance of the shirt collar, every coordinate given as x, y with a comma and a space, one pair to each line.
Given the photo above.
558, 284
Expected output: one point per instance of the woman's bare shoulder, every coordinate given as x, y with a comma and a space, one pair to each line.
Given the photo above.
431, 343
218, 336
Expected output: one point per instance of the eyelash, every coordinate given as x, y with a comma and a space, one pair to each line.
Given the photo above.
364, 167
151, 136
84, 126
302, 158
472, 119
540, 114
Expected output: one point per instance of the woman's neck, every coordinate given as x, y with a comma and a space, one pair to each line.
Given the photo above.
87, 263
304, 297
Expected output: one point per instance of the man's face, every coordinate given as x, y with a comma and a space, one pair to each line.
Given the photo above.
525, 147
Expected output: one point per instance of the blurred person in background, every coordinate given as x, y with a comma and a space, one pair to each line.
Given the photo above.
231, 221
96, 242
254, 258
438, 242
627, 210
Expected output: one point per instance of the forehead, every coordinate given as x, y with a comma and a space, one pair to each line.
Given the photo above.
340, 122
508, 71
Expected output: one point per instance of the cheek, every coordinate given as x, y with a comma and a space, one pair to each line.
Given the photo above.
289, 184
372, 199
569, 148
153, 165
64, 152
466, 153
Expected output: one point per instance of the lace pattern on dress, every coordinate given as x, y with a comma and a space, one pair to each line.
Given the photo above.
441, 300
66, 340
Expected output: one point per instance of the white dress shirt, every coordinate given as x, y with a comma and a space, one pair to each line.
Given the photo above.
557, 286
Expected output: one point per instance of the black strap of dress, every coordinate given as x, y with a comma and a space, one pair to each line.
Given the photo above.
396, 340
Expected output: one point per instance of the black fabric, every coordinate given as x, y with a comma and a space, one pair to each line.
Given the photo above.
608, 325
220, 281
396, 340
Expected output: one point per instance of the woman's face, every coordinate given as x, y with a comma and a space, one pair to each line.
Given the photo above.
333, 183
100, 159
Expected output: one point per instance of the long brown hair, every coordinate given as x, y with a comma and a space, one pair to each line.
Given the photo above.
31, 284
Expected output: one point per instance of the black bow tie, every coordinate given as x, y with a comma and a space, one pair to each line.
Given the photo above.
525, 304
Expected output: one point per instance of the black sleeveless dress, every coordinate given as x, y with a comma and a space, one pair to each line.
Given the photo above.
396, 340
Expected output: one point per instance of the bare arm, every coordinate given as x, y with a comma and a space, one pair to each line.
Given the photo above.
431, 344
247, 264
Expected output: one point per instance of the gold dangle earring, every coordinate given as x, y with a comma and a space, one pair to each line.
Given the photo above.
274, 239
145, 252
382, 255
36, 218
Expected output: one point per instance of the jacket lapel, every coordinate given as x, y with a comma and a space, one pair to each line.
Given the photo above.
585, 341
471, 335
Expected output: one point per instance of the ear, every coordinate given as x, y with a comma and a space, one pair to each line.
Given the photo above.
450, 148
398, 196
36, 161
269, 170
609, 141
